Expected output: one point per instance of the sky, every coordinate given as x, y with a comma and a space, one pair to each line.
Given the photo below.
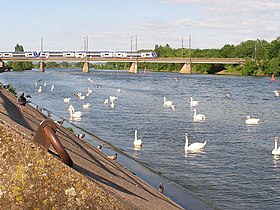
115, 25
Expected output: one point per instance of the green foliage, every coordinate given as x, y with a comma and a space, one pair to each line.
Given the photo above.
51, 65
11, 88
19, 48
20, 65
70, 129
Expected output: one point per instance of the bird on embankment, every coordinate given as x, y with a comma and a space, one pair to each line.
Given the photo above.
161, 188
100, 146
59, 122
81, 135
22, 101
113, 157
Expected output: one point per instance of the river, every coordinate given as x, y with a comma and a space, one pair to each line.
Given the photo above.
235, 170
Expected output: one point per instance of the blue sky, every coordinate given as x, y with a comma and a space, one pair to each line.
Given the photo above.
110, 24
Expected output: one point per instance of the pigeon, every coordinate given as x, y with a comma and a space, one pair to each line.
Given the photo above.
113, 157
161, 188
59, 122
22, 101
81, 135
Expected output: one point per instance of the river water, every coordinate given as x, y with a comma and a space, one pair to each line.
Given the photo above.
235, 170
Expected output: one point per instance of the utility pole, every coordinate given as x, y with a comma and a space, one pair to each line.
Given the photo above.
190, 48
136, 44
131, 44
86, 43
182, 46
41, 45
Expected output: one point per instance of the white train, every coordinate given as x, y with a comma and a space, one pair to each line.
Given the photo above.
80, 54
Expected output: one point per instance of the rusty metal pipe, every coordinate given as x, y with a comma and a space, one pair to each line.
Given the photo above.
50, 134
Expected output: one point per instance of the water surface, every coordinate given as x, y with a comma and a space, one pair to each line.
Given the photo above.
234, 171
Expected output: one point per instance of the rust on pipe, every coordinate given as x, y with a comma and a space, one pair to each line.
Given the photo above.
45, 136
58, 146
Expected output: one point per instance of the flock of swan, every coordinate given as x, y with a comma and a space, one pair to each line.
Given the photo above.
196, 146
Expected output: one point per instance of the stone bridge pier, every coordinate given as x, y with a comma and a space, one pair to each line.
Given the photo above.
186, 69
133, 68
2, 66
42, 66
85, 67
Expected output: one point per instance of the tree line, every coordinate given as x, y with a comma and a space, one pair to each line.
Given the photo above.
262, 58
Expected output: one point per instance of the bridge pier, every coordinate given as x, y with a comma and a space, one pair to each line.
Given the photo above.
42, 66
2, 66
133, 68
186, 69
85, 68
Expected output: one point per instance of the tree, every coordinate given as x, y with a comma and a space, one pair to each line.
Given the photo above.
227, 51
19, 48
21, 65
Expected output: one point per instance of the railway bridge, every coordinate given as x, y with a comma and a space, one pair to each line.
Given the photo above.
186, 62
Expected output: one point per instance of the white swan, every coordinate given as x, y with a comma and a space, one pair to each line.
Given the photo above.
252, 121
276, 92
193, 146
89, 90
40, 89
77, 114
276, 151
66, 100
193, 103
106, 102
198, 117
112, 105
90, 79
167, 103
71, 108
137, 142
86, 106
113, 98
52, 88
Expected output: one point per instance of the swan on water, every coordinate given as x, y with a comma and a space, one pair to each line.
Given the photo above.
137, 142
52, 88
276, 151
106, 102
90, 79
112, 105
167, 103
198, 117
89, 90
66, 100
193, 103
40, 89
74, 114
193, 146
86, 106
276, 92
71, 108
113, 98
252, 121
